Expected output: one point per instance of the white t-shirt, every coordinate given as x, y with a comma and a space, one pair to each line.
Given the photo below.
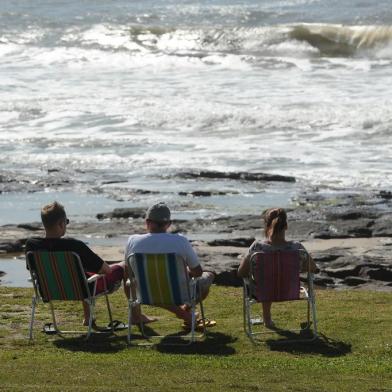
162, 243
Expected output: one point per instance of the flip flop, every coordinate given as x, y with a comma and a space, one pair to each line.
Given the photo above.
199, 327
117, 325
257, 321
49, 329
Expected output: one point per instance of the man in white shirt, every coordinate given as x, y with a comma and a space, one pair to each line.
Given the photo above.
158, 240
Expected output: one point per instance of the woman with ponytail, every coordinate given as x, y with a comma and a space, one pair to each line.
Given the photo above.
275, 226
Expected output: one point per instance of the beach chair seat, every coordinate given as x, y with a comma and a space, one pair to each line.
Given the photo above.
275, 277
163, 280
59, 276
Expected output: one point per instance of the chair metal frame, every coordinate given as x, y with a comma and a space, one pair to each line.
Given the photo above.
192, 285
249, 299
89, 298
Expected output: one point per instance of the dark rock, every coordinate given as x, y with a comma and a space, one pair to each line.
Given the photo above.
346, 261
228, 278
232, 254
31, 226
383, 226
323, 281
238, 222
145, 192
109, 182
240, 242
353, 215
4, 179
387, 195
12, 246
118, 213
304, 229
328, 235
360, 232
354, 281
2, 273
196, 193
360, 228
343, 272
382, 274
202, 193
327, 256
236, 176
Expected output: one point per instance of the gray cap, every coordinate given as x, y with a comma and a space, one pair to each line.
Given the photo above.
158, 213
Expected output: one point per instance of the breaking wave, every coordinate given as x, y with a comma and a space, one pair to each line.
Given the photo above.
335, 40
326, 40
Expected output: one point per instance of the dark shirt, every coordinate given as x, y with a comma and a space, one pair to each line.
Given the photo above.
90, 261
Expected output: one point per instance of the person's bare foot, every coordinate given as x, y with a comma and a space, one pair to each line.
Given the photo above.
185, 313
85, 322
143, 319
94, 325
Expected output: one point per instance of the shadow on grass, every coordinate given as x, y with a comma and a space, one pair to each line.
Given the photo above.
322, 345
98, 343
215, 343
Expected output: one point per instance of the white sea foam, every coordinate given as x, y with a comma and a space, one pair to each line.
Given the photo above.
142, 100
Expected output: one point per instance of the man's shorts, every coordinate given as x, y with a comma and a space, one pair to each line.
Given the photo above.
205, 281
113, 278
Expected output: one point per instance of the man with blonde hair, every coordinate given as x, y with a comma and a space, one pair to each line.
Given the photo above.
55, 222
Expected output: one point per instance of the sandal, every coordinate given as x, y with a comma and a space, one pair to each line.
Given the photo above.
117, 325
49, 329
199, 326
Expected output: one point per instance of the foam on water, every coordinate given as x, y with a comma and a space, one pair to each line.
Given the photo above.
142, 90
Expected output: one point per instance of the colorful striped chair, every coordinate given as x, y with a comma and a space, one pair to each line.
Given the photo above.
162, 279
59, 276
275, 277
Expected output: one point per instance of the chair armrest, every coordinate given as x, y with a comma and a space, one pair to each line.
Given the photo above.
94, 277
129, 281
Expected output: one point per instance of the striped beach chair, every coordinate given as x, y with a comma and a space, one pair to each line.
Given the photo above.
59, 276
163, 280
275, 277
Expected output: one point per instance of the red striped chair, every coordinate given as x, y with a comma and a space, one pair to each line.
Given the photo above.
59, 276
275, 277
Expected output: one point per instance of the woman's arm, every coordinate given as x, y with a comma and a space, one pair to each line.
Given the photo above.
243, 269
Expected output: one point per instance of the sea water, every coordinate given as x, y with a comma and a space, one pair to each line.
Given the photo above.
120, 96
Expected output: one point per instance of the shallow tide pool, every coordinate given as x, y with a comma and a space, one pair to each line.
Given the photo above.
16, 274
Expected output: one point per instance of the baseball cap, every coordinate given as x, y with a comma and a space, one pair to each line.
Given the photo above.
158, 213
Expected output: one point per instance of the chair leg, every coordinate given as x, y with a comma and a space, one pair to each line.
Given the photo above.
91, 308
110, 312
193, 321
308, 319
314, 316
244, 309
129, 321
247, 302
33, 304
202, 315
54, 317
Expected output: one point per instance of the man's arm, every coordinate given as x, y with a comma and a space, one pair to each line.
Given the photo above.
196, 272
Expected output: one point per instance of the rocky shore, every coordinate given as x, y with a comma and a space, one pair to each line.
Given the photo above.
349, 236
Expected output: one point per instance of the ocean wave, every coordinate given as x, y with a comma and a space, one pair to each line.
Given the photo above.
336, 40
148, 45
302, 40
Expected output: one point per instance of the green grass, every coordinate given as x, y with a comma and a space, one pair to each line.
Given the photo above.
354, 352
